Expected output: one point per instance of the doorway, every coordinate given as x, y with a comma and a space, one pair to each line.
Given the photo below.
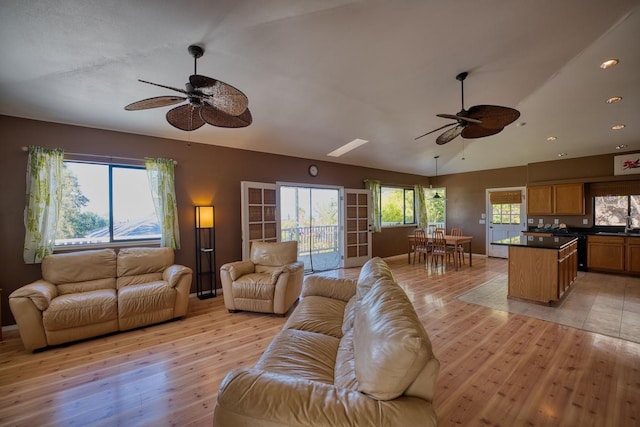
311, 216
506, 217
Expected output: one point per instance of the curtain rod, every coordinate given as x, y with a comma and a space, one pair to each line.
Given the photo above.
175, 162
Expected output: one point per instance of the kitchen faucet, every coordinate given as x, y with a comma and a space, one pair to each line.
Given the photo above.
628, 228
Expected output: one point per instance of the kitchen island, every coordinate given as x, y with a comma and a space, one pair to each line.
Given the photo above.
541, 268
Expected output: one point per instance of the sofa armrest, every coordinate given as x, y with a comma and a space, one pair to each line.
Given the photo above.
238, 268
174, 273
330, 287
288, 284
40, 292
254, 397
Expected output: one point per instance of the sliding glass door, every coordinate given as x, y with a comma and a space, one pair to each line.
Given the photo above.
311, 215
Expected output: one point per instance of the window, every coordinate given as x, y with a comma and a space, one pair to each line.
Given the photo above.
104, 203
397, 206
436, 206
613, 210
505, 213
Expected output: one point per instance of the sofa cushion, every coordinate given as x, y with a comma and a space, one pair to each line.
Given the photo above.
81, 266
89, 285
136, 261
391, 346
318, 314
274, 254
306, 355
145, 304
254, 286
86, 308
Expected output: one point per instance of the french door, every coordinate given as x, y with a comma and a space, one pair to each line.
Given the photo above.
259, 213
311, 216
357, 229
331, 224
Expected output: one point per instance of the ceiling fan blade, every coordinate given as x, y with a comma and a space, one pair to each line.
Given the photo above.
494, 116
220, 95
164, 86
221, 119
478, 131
435, 130
450, 134
185, 117
158, 101
459, 117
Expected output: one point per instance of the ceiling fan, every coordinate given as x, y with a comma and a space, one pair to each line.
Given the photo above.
209, 101
476, 122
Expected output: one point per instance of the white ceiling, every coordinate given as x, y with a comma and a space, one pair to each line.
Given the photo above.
321, 73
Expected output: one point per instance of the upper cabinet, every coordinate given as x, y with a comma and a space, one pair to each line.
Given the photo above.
540, 200
569, 199
558, 199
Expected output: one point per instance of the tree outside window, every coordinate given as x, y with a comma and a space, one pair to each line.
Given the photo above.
397, 206
104, 203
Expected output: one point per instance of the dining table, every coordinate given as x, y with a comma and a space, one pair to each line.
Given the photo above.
451, 240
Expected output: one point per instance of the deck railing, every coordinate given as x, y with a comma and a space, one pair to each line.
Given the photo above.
313, 240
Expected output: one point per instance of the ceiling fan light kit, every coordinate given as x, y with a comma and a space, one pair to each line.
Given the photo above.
210, 101
476, 122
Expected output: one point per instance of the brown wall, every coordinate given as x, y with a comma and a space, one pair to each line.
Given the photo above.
466, 198
212, 174
205, 174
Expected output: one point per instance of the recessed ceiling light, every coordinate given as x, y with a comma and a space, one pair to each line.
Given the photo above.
618, 127
552, 138
562, 154
621, 146
609, 63
613, 99
347, 147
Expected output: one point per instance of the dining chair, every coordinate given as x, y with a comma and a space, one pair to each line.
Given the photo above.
421, 245
440, 249
458, 249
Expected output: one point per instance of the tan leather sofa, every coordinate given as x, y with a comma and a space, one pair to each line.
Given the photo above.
350, 354
269, 282
89, 293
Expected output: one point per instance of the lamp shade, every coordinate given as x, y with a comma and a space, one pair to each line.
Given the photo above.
205, 217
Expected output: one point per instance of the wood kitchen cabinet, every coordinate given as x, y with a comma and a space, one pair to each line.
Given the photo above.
633, 255
540, 200
607, 253
541, 269
569, 199
558, 199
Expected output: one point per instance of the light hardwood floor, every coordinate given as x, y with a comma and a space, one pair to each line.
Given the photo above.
496, 368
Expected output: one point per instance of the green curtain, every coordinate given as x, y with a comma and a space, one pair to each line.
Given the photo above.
421, 207
376, 220
162, 184
42, 206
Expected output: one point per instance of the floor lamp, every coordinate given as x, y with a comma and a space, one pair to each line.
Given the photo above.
205, 252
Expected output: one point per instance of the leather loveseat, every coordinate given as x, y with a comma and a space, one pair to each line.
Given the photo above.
350, 354
89, 293
268, 282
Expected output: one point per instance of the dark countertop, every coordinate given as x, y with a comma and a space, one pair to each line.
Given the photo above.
616, 231
554, 242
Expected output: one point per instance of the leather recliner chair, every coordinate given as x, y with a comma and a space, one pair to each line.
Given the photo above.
269, 282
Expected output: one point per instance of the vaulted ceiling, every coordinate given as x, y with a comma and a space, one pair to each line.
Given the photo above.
319, 74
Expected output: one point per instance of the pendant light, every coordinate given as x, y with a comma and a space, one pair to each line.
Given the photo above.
436, 196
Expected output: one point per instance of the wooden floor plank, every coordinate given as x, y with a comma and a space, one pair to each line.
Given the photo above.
496, 368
